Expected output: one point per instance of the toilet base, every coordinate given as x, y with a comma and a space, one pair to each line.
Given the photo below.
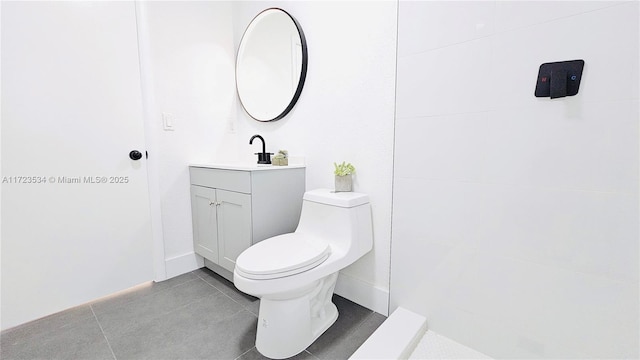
288, 326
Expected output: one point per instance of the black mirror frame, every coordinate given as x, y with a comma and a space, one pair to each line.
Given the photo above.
303, 70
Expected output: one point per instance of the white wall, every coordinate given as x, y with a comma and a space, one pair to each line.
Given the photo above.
189, 62
515, 218
345, 112
0, 152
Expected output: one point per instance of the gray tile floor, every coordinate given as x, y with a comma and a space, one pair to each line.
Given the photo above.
198, 315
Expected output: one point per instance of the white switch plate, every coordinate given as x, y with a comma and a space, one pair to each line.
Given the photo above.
168, 121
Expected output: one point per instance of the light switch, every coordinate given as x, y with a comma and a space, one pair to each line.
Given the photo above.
168, 121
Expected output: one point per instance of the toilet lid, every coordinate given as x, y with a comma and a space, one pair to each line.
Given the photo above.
281, 256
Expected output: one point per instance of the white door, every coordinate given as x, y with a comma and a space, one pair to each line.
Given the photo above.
75, 209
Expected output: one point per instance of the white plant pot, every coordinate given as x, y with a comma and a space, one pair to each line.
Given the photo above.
343, 183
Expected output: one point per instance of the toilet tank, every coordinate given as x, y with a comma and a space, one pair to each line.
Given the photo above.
342, 219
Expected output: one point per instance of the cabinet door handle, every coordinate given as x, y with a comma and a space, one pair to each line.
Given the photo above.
214, 203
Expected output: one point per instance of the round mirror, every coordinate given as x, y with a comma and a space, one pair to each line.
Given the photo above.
271, 65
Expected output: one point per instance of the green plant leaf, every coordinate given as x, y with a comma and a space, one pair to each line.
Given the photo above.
343, 169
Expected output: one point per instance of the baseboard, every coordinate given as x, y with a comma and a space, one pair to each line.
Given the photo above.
363, 293
182, 264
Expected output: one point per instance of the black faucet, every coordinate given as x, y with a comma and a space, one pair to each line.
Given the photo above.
263, 157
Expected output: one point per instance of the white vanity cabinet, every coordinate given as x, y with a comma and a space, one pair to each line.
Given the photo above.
234, 207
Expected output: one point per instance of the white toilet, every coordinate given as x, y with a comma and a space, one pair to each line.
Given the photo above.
294, 274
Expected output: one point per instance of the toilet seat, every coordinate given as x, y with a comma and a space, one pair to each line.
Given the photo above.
281, 256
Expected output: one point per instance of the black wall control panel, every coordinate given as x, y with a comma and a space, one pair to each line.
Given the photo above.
559, 79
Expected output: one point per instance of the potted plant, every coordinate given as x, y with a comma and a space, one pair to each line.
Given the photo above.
343, 174
281, 159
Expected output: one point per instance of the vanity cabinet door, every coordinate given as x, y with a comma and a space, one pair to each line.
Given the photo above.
234, 226
205, 222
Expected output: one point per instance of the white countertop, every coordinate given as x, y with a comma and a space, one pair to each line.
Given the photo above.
247, 166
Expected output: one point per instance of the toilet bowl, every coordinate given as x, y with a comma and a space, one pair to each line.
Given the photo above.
294, 274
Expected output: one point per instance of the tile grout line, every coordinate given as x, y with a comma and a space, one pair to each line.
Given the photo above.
303, 351
223, 293
309, 352
129, 301
103, 334
360, 324
239, 356
213, 286
242, 307
192, 301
